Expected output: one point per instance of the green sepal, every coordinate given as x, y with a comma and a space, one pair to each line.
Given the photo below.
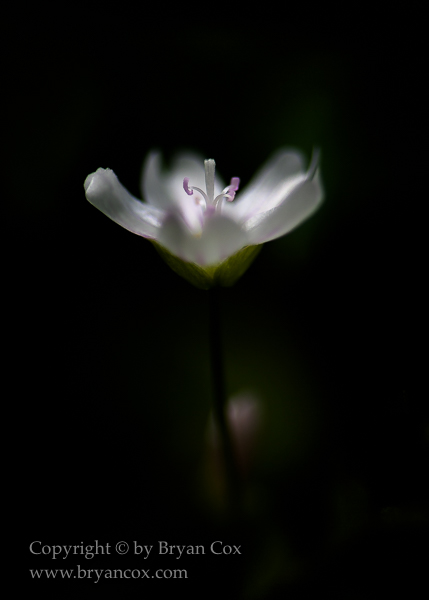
224, 274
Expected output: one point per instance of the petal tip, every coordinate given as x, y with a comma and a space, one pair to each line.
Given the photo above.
88, 181
98, 177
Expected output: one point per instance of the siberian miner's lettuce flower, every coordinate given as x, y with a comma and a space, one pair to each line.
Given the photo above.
207, 232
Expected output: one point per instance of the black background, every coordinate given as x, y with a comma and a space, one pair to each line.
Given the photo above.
108, 352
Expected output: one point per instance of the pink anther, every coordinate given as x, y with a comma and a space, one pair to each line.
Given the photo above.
186, 186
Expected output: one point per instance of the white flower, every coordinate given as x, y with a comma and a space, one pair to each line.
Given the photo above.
202, 227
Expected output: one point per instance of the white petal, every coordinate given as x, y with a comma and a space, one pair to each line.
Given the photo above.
296, 207
284, 168
106, 193
153, 185
220, 238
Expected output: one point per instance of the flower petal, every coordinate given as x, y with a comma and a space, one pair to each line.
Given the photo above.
106, 193
153, 185
285, 168
220, 238
298, 206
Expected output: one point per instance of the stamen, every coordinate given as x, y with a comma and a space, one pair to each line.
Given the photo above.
194, 187
186, 186
233, 187
229, 192
190, 190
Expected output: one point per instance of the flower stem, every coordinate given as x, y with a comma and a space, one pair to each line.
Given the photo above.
232, 478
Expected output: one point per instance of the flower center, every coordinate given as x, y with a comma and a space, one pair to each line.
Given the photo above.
212, 203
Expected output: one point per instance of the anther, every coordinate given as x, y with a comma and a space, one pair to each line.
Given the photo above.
186, 186
233, 187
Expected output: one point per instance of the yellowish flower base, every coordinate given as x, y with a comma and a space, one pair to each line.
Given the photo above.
224, 274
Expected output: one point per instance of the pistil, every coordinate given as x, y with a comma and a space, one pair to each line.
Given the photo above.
209, 167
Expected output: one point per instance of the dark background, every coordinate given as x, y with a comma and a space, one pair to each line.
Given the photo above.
109, 350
